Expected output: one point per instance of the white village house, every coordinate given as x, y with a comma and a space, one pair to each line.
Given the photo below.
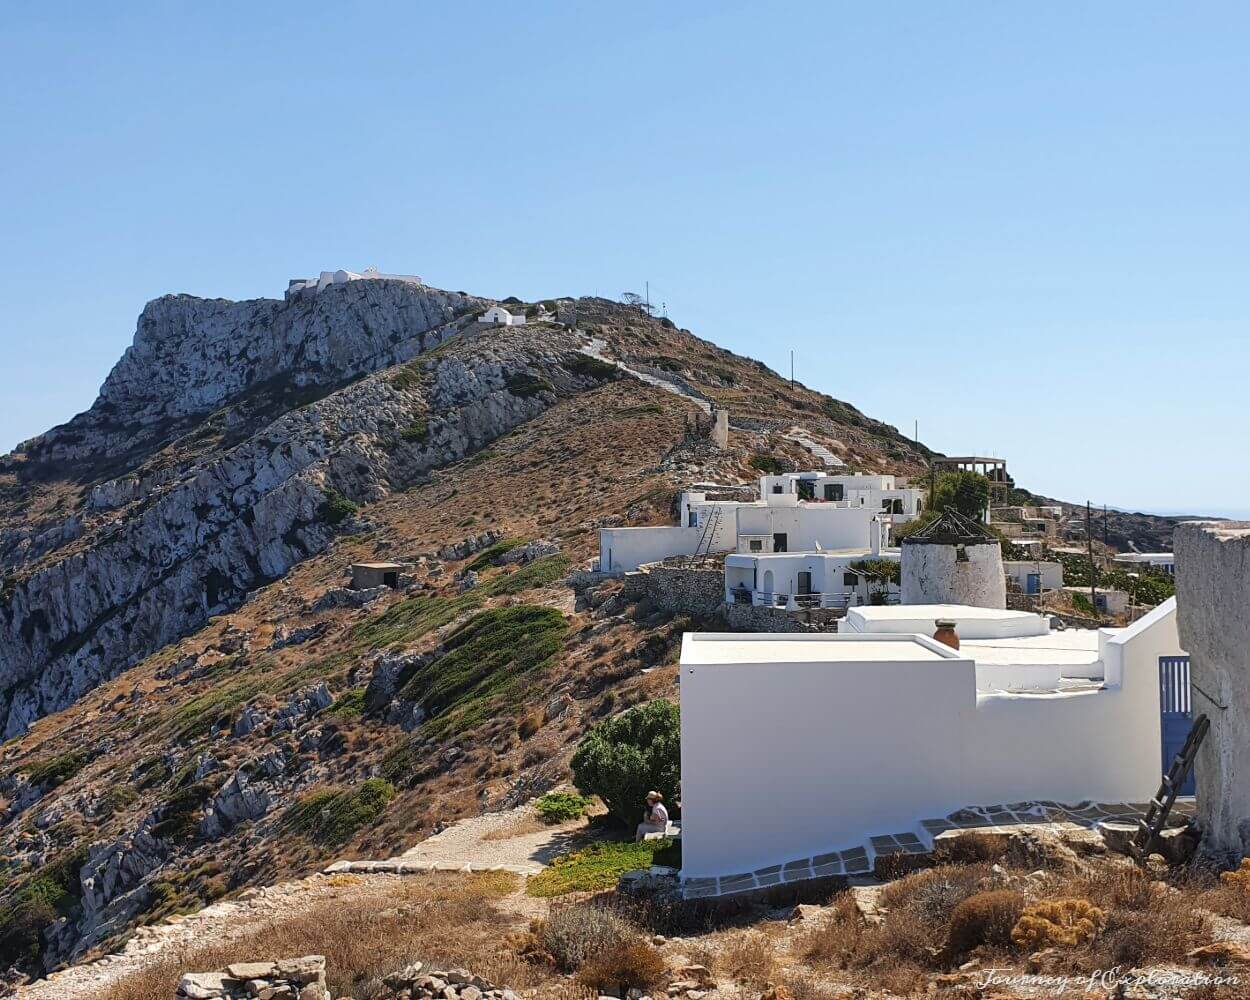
1033, 576
795, 512
1160, 562
798, 749
796, 580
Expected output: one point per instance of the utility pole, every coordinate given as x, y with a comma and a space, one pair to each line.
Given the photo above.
648, 298
1104, 525
1089, 545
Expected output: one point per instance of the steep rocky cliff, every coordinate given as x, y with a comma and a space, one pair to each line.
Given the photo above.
184, 535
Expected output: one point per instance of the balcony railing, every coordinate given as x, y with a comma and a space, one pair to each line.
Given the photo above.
800, 602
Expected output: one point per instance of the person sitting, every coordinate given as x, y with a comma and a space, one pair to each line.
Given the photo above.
655, 819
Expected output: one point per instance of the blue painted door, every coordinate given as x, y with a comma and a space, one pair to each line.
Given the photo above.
1033, 583
1177, 711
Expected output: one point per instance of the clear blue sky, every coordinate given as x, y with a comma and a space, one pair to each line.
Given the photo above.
1025, 225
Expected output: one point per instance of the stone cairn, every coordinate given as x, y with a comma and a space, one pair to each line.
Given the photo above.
286, 979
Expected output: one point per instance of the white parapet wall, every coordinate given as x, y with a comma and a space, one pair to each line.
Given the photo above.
794, 745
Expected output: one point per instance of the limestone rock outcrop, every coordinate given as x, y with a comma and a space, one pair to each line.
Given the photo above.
269, 426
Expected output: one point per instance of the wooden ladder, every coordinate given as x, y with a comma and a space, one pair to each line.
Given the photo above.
1148, 829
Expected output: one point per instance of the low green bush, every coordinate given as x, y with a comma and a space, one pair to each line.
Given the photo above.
493, 554
596, 867
51, 772
349, 704
181, 809
335, 508
34, 904
524, 384
588, 367
539, 573
561, 807
331, 815
416, 431
767, 464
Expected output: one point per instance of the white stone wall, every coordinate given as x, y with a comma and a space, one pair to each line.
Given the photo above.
934, 574
1213, 602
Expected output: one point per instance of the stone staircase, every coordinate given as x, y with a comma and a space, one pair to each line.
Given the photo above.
818, 451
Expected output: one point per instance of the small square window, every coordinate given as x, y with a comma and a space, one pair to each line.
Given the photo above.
850, 580
757, 546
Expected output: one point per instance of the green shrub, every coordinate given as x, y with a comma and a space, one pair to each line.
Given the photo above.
966, 492
598, 866
539, 573
52, 891
331, 815
408, 377
560, 807
410, 619
335, 508
416, 431
623, 758
767, 464
524, 384
588, 367
349, 704
51, 772
116, 799
216, 705
493, 554
181, 809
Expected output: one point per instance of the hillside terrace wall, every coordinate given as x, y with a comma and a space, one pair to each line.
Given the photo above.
682, 590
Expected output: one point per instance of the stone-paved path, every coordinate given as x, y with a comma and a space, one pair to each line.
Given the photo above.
471, 845
594, 348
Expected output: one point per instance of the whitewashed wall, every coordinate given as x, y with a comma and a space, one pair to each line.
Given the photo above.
622, 550
784, 760
1020, 569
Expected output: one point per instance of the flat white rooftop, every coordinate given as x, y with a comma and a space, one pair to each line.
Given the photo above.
725, 648
1067, 648
971, 622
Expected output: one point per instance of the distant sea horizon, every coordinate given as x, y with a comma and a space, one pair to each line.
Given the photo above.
1227, 513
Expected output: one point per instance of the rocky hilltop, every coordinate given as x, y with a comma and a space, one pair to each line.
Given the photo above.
193, 702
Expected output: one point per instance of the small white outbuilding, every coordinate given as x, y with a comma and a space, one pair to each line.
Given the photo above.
499, 316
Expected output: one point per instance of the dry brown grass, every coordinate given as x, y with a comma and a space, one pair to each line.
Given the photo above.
441, 919
751, 959
625, 966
